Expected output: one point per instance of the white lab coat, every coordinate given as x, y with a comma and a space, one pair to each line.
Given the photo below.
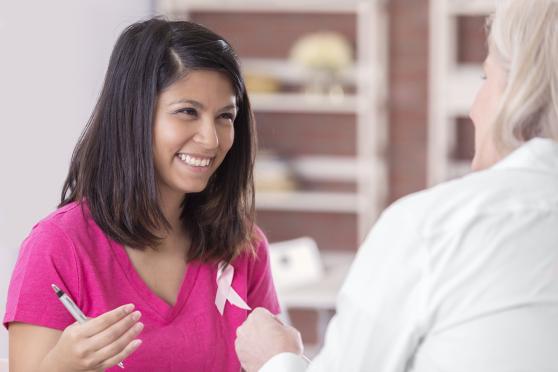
462, 277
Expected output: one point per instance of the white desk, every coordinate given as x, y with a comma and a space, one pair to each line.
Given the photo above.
320, 295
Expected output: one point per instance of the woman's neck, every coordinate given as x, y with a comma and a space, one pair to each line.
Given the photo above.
176, 238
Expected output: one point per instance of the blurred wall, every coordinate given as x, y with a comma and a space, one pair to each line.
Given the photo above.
53, 55
408, 96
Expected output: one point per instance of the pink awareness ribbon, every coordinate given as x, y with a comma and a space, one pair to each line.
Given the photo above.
225, 291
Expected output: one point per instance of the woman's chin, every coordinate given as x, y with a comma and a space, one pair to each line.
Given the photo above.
194, 188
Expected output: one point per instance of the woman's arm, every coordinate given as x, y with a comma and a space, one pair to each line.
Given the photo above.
29, 345
261, 290
95, 345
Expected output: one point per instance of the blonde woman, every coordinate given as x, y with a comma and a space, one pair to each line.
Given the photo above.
464, 276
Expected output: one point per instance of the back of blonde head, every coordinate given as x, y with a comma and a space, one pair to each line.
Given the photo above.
524, 40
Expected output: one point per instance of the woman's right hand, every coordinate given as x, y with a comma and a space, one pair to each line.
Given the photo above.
97, 344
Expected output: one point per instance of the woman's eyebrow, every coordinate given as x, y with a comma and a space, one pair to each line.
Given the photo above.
196, 104
229, 107
200, 105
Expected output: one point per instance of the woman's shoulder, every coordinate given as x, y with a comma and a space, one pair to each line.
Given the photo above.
50, 235
46, 256
61, 230
71, 220
451, 204
255, 264
71, 214
259, 239
256, 251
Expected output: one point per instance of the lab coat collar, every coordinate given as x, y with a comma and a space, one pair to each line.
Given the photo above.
537, 154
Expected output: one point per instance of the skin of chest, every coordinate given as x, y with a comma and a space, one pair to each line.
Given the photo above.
162, 272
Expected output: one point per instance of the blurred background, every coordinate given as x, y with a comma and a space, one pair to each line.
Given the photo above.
357, 103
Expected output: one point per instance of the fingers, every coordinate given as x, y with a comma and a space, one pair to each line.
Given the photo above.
104, 321
114, 342
129, 349
261, 337
100, 340
121, 347
266, 333
115, 332
255, 317
261, 312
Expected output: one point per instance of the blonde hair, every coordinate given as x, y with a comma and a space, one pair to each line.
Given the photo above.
523, 38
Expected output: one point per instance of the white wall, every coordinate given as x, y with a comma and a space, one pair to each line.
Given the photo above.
53, 55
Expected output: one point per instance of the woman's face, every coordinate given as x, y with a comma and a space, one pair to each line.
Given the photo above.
483, 113
193, 130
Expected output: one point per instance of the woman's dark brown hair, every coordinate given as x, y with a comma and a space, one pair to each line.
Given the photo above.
112, 165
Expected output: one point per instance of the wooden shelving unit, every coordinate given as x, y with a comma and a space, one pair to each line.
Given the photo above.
452, 85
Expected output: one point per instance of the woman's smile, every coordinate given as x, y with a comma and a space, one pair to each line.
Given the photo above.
196, 163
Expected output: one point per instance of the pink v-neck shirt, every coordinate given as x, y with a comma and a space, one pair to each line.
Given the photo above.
69, 249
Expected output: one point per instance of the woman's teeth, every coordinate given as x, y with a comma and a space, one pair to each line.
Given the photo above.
195, 162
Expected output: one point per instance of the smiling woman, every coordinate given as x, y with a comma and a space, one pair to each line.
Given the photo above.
193, 130
127, 190
156, 219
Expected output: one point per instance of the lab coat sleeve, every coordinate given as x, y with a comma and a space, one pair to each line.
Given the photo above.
381, 308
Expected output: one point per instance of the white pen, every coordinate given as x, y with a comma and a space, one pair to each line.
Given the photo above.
73, 309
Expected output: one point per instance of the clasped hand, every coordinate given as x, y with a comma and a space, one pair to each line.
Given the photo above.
263, 336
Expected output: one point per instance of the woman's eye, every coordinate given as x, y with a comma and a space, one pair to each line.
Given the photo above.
227, 116
188, 111
483, 77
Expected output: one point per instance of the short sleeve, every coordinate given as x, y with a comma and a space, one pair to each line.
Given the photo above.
261, 290
47, 256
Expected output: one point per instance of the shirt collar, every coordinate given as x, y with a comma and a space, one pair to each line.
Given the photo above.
537, 154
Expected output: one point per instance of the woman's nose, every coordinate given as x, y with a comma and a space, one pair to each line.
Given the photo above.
207, 134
